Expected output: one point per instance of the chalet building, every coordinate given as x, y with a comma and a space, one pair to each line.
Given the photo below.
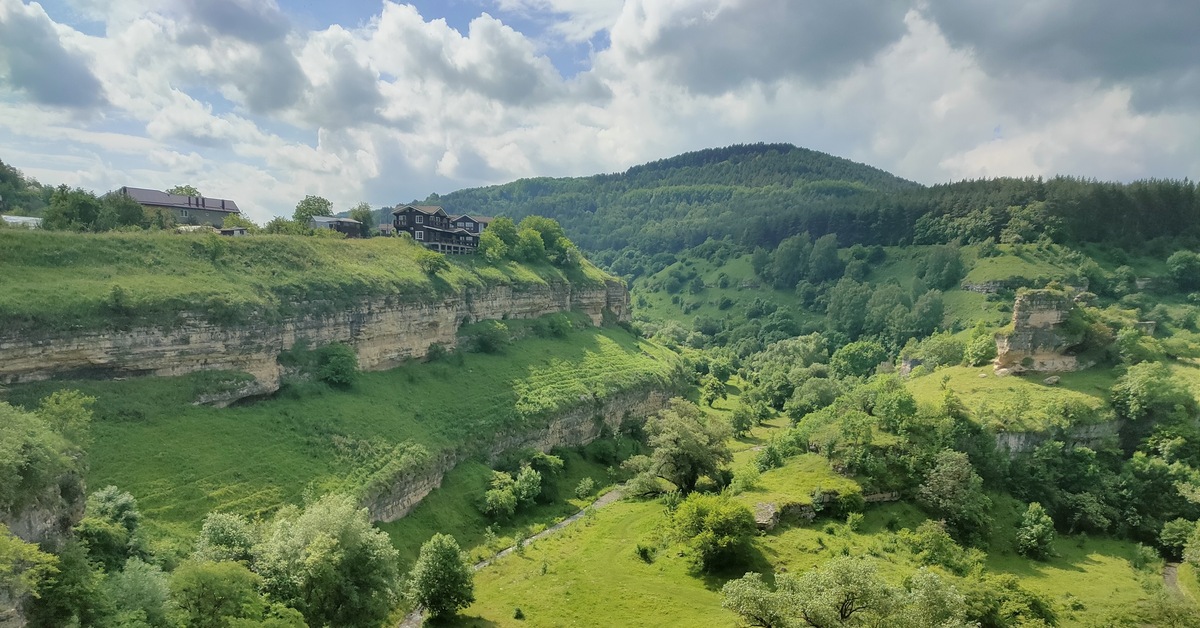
187, 210
432, 226
474, 224
352, 228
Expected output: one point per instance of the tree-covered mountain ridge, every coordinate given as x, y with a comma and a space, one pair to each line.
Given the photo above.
759, 194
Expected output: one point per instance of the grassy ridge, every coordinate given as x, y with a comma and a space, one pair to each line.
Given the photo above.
58, 280
182, 461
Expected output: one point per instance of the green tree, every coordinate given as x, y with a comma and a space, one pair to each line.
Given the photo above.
70, 595
329, 563
23, 566
366, 216
140, 595
309, 207
122, 212
213, 595
716, 529
184, 190
551, 232
282, 226
69, 414
491, 246
1175, 536
503, 228
225, 537
1184, 267
741, 420
823, 262
500, 501
858, 359
1035, 535
238, 220
338, 364
711, 389
757, 603
789, 262
431, 262
953, 491
442, 579
111, 528
687, 444
72, 210
529, 246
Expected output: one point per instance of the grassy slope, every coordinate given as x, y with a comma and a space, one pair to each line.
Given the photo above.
57, 280
181, 461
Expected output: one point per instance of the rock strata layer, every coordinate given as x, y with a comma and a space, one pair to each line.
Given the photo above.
1039, 339
383, 332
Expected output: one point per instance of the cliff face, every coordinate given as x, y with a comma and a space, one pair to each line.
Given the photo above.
572, 429
384, 332
1039, 339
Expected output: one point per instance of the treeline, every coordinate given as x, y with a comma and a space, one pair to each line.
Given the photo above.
757, 195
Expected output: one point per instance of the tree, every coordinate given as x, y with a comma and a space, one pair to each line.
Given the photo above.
790, 261
23, 566
442, 580
756, 603
238, 220
711, 389
1184, 267
715, 529
70, 595
858, 359
953, 491
210, 595
687, 444
503, 228
111, 528
282, 226
365, 215
842, 591
74, 210
184, 190
140, 594
529, 246
823, 262
742, 419
338, 364
491, 246
329, 563
431, 262
1175, 536
309, 207
225, 537
1035, 535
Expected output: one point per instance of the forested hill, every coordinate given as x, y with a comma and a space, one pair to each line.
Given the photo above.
751, 192
757, 195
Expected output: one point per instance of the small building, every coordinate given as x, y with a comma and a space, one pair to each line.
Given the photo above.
387, 229
23, 221
474, 224
234, 232
352, 228
431, 226
187, 210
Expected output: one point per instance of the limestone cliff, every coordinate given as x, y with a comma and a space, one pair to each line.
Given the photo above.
1041, 337
383, 331
576, 427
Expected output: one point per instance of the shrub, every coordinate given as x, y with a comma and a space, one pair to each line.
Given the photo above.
435, 352
493, 337
1035, 536
715, 529
338, 365
584, 489
442, 580
854, 521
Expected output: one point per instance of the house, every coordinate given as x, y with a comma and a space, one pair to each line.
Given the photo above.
474, 224
23, 221
387, 229
431, 225
187, 210
352, 228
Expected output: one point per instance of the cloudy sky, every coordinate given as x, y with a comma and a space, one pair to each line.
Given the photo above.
265, 101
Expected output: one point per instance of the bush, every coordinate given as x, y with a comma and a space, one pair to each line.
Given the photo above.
493, 337
435, 352
584, 489
715, 529
442, 580
1035, 536
338, 365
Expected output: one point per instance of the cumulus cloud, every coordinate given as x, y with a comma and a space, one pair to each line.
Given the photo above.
35, 60
1151, 46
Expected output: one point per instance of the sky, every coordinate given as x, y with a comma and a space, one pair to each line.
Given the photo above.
266, 101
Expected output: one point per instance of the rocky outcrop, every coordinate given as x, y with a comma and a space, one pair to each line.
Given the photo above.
384, 332
1040, 339
1093, 436
48, 519
573, 428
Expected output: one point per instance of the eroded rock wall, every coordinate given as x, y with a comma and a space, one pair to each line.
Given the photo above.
573, 428
383, 332
1039, 340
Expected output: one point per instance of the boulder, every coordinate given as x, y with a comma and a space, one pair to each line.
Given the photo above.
766, 515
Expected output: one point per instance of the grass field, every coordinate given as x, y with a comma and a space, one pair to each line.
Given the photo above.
59, 280
182, 461
1016, 403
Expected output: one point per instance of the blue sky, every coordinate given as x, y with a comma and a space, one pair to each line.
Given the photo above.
265, 101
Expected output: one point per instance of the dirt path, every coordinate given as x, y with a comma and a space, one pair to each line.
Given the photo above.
1171, 578
415, 618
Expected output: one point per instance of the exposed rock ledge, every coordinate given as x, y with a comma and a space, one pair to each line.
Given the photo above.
1040, 339
574, 428
384, 332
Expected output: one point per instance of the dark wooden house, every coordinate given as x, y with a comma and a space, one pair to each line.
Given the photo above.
474, 224
431, 225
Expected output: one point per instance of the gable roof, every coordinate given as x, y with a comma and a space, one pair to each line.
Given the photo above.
157, 198
428, 210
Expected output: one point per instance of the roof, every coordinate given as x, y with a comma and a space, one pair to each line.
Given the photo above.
158, 198
479, 219
428, 210
331, 219
24, 221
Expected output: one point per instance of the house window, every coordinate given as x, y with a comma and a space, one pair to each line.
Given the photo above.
403, 220
420, 235
420, 220
183, 213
